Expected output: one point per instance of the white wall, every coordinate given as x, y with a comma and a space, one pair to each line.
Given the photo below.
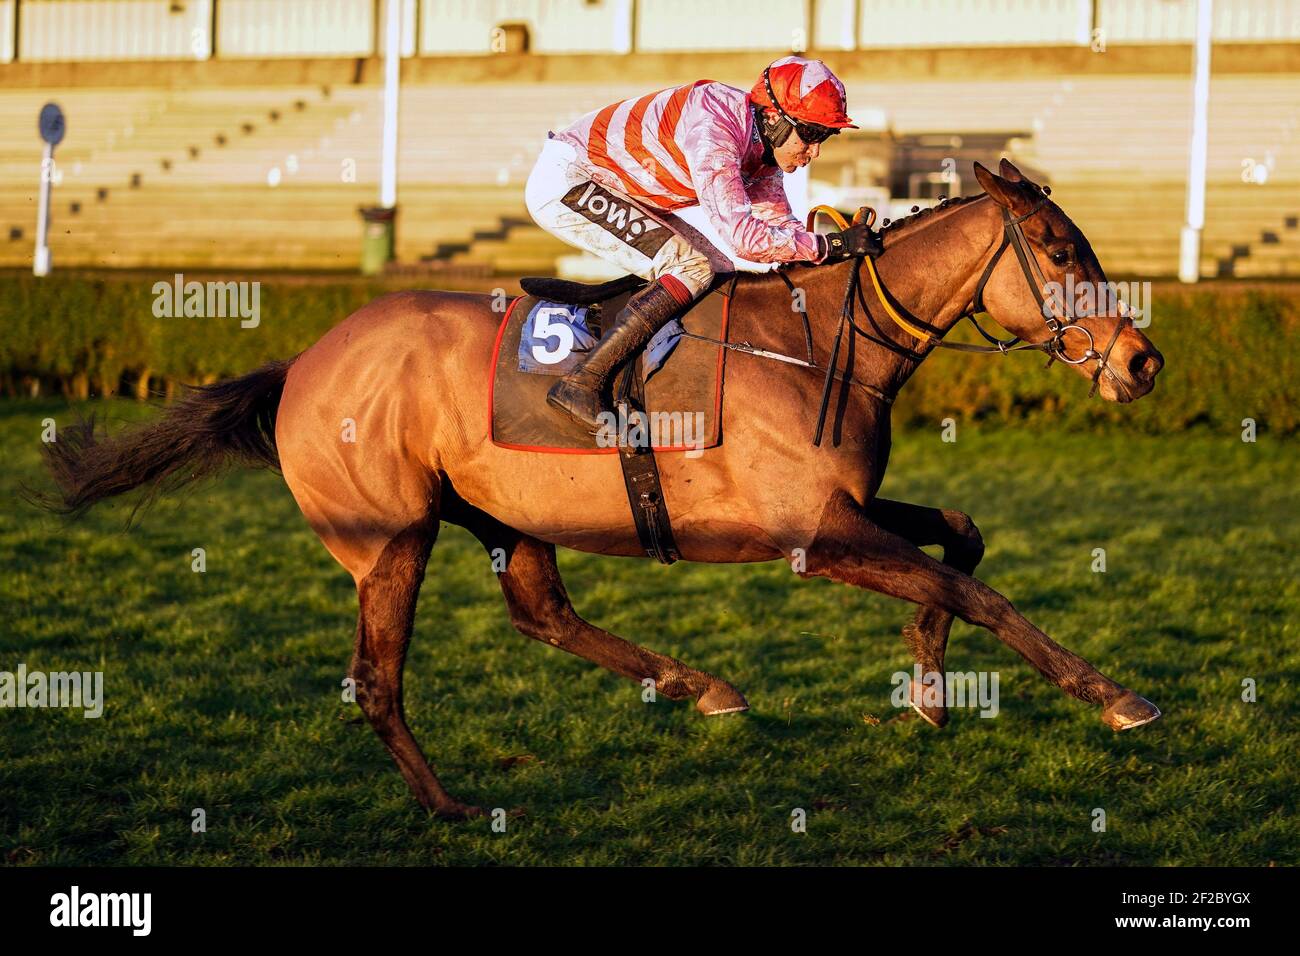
833, 24
929, 23
284, 28
766, 25
150, 29
113, 30
924, 23
1174, 21
554, 26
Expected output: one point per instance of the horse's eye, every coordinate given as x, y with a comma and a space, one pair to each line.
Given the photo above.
1061, 257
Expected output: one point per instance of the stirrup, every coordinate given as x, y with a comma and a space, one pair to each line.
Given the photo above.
578, 401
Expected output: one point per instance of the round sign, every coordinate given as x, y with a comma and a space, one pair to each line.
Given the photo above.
52, 124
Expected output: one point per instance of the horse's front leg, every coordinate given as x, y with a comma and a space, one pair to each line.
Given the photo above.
848, 546
927, 635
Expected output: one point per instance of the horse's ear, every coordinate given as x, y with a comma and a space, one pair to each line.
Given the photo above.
1005, 193
1013, 175
994, 185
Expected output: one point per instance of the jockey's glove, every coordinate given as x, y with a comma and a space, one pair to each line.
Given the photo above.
857, 240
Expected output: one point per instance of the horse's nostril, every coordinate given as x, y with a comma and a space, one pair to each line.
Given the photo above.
1143, 366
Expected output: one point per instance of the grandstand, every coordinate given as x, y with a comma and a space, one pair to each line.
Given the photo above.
222, 163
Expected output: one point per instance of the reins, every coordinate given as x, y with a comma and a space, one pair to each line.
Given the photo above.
1013, 237
748, 349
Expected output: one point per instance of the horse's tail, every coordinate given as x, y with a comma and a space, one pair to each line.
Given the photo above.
212, 426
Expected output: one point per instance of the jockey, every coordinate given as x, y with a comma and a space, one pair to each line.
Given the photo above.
679, 185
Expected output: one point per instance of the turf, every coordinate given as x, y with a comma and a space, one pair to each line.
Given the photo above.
223, 688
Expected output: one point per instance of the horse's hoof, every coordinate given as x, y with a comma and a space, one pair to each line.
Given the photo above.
935, 716
1128, 711
721, 698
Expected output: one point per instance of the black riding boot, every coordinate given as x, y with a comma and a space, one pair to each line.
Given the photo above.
581, 392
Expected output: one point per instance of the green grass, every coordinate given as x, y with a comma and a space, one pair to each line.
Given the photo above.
223, 688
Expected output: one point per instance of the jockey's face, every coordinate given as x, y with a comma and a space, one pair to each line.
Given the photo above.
794, 153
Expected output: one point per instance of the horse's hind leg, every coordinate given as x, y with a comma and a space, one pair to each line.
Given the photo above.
540, 608
383, 538
927, 635
387, 595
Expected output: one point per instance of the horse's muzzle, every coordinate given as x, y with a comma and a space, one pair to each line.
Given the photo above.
1132, 376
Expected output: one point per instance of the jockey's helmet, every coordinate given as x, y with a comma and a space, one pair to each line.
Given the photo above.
806, 95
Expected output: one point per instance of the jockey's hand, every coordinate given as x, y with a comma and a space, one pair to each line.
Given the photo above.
857, 240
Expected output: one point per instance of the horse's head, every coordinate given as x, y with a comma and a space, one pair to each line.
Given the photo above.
1095, 334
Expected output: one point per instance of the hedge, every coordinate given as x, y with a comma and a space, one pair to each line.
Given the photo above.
1229, 355
1230, 352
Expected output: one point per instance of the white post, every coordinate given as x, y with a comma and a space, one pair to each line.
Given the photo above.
1083, 22
392, 74
41, 260
621, 41
1189, 255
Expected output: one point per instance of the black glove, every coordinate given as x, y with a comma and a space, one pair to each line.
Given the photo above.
857, 240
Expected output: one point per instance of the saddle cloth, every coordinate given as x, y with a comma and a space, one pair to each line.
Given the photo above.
683, 391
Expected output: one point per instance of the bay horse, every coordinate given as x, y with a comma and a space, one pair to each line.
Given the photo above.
409, 374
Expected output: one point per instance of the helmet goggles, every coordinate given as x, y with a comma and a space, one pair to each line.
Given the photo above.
810, 133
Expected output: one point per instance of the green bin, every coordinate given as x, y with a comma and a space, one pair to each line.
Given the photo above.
377, 240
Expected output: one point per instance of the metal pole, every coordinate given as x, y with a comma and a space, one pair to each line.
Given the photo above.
392, 76
1189, 254
41, 261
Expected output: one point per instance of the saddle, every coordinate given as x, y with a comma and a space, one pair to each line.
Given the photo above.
667, 399
579, 293
543, 335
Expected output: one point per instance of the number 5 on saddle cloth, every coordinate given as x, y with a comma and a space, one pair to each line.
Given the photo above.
556, 336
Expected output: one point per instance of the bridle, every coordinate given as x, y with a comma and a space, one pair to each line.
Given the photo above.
1013, 236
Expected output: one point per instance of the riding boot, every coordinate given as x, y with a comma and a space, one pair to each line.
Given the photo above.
581, 392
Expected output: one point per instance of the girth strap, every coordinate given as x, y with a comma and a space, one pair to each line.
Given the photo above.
641, 473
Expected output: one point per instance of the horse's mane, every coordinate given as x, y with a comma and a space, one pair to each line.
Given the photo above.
901, 228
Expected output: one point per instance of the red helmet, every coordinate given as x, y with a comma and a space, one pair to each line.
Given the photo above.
805, 90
